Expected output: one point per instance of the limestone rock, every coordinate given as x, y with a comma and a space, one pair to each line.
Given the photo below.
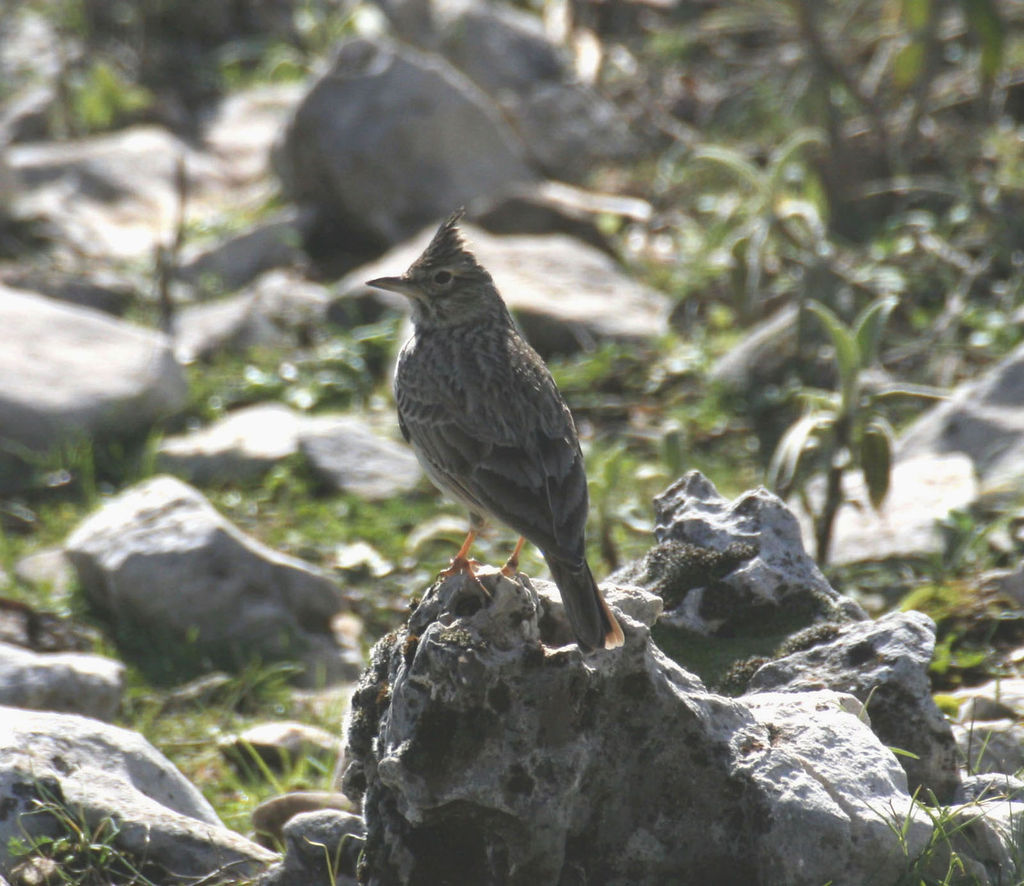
995, 700
70, 682
776, 588
279, 744
564, 293
172, 576
47, 570
56, 388
390, 138
270, 817
883, 663
991, 745
100, 771
483, 755
353, 458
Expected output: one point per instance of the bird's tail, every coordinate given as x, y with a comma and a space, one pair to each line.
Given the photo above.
591, 620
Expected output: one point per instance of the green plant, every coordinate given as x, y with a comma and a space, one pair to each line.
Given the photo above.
842, 430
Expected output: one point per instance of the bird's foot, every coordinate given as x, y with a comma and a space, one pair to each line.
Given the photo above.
511, 566
460, 563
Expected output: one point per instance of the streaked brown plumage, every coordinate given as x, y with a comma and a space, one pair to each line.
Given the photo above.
488, 424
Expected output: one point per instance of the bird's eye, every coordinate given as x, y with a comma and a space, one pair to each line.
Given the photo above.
442, 278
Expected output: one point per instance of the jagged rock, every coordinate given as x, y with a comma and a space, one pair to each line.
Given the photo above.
923, 490
99, 772
389, 139
984, 419
564, 293
180, 584
70, 682
270, 817
279, 745
55, 389
883, 663
279, 309
353, 458
735, 575
321, 849
483, 755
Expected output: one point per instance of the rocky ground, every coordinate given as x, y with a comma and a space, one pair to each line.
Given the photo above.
223, 654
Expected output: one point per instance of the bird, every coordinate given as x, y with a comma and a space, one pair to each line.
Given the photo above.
489, 426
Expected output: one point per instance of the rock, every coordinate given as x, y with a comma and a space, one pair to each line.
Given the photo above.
984, 420
273, 243
482, 755
551, 207
985, 835
343, 450
242, 128
735, 573
884, 664
270, 817
91, 288
989, 786
242, 446
98, 772
55, 389
922, 491
994, 700
390, 139
346, 453
761, 353
991, 746
320, 848
280, 745
564, 293
111, 195
278, 310
70, 682
47, 570
188, 591
567, 127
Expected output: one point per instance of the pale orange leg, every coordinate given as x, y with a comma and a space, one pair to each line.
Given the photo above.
511, 566
461, 562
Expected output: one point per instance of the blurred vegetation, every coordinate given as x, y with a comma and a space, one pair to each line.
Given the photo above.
857, 162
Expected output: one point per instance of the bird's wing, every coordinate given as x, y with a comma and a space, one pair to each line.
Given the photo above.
514, 458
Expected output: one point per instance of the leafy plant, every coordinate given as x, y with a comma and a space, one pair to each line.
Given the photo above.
841, 430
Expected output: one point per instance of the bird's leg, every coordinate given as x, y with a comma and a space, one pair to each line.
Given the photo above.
511, 566
461, 562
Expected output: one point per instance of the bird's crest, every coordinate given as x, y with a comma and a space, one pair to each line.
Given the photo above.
448, 249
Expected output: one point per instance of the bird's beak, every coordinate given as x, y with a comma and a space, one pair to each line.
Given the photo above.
393, 284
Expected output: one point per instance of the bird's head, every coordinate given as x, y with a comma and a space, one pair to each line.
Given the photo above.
446, 284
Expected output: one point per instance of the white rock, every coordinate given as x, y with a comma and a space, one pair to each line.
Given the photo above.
67, 371
70, 682
104, 772
160, 563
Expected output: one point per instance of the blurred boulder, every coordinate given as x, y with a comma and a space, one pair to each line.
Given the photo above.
187, 590
481, 755
87, 287
279, 745
391, 138
111, 195
344, 451
565, 294
280, 308
319, 847
347, 454
984, 420
46, 570
103, 774
551, 207
923, 490
883, 663
71, 373
270, 817
991, 745
761, 354
70, 682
